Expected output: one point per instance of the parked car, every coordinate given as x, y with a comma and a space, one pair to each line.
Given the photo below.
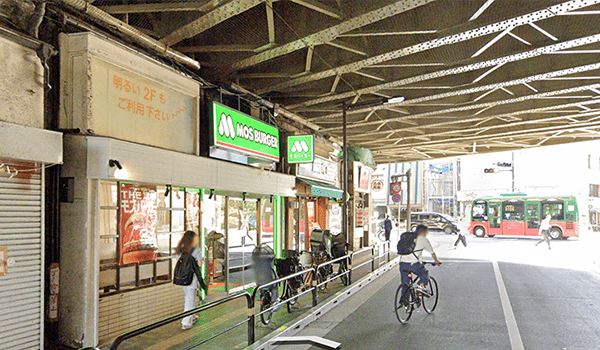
434, 221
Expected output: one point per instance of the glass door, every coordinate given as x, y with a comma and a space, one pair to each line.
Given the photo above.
213, 229
242, 239
267, 224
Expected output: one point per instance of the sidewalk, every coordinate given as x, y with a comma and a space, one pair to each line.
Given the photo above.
218, 319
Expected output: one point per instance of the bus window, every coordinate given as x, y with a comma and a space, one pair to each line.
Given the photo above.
479, 209
533, 214
494, 214
513, 211
555, 208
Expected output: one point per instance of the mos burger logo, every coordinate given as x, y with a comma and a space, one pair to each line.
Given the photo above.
300, 146
226, 126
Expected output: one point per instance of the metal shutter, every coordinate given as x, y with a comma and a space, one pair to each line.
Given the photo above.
21, 232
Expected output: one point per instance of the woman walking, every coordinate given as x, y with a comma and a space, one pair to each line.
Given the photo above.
187, 273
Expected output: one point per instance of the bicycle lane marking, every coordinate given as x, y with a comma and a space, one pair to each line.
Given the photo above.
511, 323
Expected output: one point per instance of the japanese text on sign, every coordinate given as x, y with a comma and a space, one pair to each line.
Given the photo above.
143, 100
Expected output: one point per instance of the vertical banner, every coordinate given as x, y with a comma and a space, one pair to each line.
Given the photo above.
137, 224
192, 212
364, 179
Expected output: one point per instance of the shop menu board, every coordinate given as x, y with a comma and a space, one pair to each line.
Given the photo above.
362, 217
137, 224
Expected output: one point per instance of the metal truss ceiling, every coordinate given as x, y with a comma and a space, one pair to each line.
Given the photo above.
477, 75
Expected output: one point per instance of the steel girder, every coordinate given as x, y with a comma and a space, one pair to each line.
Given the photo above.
331, 33
435, 43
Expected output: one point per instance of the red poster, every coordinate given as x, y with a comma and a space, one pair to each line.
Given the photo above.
364, 179
137, 224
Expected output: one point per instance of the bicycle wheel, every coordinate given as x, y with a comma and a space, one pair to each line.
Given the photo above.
342, 270
289, 293
265, 303
322, 276
294, 289
430, 301
403, 311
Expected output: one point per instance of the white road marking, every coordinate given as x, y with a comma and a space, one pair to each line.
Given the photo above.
511, 323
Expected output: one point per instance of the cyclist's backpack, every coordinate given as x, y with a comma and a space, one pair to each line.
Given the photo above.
407, 243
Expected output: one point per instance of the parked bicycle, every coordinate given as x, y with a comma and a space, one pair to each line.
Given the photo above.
326, 247
415, 298
289, 265
263, 259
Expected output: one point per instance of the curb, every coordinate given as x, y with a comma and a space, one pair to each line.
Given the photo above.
293, 327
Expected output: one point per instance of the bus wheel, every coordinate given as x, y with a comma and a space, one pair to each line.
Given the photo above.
555, 233
479, 231
565, 238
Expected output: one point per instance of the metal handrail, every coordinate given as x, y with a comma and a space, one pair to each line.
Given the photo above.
331, 262
180, 316
283, 279
251, 299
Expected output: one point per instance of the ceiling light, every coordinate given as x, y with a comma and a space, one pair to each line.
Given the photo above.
395, 100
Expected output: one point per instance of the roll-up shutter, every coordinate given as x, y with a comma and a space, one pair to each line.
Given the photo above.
21, 233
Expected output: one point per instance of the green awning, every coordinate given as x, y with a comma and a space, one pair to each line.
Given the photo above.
323, 190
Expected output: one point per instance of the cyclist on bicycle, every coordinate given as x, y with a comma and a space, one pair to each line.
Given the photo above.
412, 262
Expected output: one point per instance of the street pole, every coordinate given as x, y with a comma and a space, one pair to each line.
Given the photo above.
345, 176
512, 168
408, 189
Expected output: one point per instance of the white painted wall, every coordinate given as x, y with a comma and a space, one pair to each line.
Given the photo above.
30, 144
91, 69
78, 303
21, 85
157, 166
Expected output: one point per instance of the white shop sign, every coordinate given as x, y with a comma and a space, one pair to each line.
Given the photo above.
112, 91
320, 169
140, 109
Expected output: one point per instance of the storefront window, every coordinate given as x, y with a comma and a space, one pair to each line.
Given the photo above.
213, 229
161, 213
335, 218
267, 218
108, 237
242, 239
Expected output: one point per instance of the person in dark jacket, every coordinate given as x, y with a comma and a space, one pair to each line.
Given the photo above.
189, 245
387, 226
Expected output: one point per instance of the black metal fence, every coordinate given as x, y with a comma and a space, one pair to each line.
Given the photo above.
377, 252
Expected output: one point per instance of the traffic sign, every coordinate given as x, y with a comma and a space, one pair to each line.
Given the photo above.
396, 198
396, 187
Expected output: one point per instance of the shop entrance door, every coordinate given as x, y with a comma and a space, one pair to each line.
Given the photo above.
242, 239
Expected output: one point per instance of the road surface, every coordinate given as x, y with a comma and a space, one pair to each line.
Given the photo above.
496, 294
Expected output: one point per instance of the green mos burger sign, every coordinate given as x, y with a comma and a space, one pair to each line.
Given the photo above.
301, 149
238, 132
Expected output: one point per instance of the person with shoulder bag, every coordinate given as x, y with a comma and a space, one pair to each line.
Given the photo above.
187, 273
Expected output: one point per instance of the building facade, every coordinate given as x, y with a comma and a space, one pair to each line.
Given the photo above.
27, 153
